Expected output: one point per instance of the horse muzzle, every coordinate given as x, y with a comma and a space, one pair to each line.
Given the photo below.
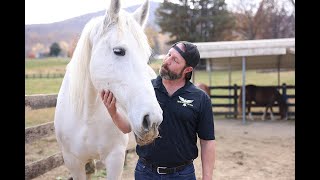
147, 136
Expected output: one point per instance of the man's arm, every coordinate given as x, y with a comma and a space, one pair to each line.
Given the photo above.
208, 152
110, 102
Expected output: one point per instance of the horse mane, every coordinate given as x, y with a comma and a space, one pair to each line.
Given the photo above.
79, 67
79, 74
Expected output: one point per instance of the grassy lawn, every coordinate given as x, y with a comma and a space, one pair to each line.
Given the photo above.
46, 65
42, 85
218, 78
58, 65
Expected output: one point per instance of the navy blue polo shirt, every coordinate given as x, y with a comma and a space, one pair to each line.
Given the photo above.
186, 115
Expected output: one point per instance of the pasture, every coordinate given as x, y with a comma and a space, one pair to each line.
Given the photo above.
218, 78
243, 151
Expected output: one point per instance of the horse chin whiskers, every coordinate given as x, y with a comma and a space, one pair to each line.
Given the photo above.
146, 138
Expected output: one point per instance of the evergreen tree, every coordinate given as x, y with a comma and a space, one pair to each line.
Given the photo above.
55, 49
195, 20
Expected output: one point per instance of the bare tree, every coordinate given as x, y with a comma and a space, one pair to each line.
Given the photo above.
265, 20
278, 21
248, 19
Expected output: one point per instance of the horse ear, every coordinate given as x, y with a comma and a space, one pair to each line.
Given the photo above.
114, 9
141, 13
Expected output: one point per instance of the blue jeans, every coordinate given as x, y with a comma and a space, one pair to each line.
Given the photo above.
143, 172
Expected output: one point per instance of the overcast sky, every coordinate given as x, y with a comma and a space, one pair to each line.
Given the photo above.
49, 11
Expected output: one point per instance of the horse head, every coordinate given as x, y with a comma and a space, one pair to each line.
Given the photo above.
118, 61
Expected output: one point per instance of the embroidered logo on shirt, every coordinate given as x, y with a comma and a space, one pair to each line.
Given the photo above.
185, 102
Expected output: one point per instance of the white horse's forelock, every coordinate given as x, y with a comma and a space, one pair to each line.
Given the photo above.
79, 74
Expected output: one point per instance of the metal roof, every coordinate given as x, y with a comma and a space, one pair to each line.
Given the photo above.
259, 54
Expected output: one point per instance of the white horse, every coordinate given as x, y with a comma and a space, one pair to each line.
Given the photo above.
112, 53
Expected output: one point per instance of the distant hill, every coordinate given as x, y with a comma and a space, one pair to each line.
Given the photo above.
70, 29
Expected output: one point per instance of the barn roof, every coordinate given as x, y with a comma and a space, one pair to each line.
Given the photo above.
259, 54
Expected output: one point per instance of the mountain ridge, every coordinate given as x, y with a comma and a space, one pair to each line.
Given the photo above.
41, 36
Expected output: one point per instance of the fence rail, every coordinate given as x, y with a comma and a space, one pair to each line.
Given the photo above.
33, 76
35, 169
40, 101
37, 132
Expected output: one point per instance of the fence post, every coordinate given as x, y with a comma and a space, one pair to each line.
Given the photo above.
235, 114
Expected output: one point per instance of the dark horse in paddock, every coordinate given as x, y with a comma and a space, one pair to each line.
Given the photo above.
264, 96
203, 87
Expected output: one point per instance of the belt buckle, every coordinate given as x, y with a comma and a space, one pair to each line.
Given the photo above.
161, 168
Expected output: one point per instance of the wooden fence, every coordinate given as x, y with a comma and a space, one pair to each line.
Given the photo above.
232, 94
37, 168
35, 133
33, 76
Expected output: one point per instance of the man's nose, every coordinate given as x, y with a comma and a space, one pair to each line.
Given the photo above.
167, 60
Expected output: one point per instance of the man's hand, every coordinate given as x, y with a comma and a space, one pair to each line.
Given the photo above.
109, 101
119, 120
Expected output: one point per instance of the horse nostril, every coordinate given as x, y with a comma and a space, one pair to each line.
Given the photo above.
146, 122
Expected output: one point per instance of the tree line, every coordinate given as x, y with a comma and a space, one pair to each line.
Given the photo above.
210, 20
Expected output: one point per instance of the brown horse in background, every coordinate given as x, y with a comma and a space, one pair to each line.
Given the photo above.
264, 96
203, 87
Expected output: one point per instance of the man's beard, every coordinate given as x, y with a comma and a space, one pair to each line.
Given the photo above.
165, 73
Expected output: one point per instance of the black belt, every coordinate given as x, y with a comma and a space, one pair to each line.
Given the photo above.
164, 169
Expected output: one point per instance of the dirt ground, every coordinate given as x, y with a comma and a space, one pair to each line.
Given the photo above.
263, 150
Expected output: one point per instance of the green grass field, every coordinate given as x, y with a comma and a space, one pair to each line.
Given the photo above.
58, 65
218, 78
46, 65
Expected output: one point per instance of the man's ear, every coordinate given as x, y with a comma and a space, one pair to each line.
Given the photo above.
188, 69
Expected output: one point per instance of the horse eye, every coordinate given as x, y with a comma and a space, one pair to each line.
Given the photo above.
119, 51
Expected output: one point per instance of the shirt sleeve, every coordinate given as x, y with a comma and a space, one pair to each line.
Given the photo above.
205, 128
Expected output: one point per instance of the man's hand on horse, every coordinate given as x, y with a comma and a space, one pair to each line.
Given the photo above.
109, 101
